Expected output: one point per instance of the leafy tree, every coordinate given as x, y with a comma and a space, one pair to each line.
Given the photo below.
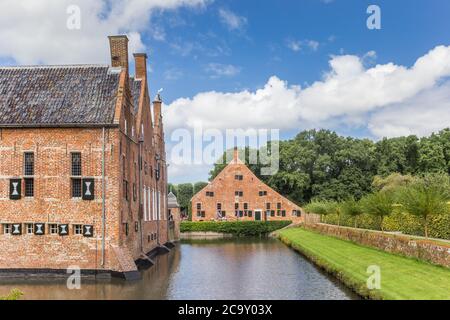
185, 194
198, 186
391, 182
379, 204
172, 188
352, 208
426, 197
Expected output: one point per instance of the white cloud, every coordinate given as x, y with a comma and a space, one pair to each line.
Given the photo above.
173, 74
231, 19
297, 45
218, 70
294, 45
34, 32
348, 94
313, 45
423, 114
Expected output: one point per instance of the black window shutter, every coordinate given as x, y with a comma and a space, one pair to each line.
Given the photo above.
88, 231
39, 229
88, 189
16, 229
15, 189
63, 229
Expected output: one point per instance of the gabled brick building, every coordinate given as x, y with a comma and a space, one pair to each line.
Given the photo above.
83, 178
237, 194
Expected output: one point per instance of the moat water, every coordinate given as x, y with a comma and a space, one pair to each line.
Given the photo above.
206, 269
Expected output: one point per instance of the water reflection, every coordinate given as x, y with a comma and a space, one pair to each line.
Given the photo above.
206, 269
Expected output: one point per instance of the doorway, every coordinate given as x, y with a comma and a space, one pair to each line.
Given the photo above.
257, 215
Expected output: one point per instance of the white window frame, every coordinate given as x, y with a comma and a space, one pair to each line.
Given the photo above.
51, 229
75, 231
27, 228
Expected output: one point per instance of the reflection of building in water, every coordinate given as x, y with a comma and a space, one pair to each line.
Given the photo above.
83, 176
237, 194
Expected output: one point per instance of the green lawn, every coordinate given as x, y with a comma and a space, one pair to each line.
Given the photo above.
401, 278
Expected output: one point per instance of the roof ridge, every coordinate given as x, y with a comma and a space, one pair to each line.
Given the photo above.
67, 66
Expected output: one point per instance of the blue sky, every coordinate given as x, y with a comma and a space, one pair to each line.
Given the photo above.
267, 64
259, 49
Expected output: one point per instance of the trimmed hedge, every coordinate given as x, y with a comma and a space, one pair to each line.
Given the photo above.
238, 228
439, 225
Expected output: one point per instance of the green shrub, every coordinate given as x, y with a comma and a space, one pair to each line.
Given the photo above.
238, 228
426, 198
15, 294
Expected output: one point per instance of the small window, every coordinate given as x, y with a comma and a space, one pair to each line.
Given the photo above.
53, 229
268, 205
29, 187
29, 228
262, 193
199, 206
279, 205
203, 214
209, 193
76, 188
250, 213
125, 189
236, 206
245, 206
199, 213
77, 229
7, 228
76, 164
283, 213
239, 177
272, 213
239, 193
219, 206
29, 164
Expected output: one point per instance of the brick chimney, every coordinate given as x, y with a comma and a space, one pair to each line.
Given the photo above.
157, 110
119, 51
140, 61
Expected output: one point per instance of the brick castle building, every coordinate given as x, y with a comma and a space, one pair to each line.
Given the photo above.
237, 194
83, 178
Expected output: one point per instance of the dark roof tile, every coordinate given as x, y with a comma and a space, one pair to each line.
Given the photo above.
52, 95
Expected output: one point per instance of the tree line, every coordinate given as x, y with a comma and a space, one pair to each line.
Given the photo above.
322, 165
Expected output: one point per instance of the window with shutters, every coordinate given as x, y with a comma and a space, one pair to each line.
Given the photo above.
77, 229
76, 174
219, 206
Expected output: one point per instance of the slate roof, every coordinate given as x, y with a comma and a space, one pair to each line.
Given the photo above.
135, 86
58, 95
172, 201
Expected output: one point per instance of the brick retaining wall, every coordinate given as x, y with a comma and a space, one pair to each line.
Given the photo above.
422, 249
